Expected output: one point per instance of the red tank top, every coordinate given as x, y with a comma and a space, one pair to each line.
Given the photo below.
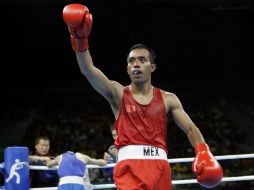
142, 124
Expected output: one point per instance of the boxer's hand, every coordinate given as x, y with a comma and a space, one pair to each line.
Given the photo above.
107, 157
79, 22
207, 169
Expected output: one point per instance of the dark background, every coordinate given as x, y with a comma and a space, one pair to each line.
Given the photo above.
203, 49
195, 41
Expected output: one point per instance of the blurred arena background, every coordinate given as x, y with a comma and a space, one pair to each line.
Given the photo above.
204, 54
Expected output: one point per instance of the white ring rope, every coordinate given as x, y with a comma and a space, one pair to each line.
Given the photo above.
176, 160
227, 157
174, 182
186, 181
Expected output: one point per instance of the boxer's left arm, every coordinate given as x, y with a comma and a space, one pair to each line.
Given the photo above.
88, 160
107, 157
100, 162
207, 169
54, 162
182, 119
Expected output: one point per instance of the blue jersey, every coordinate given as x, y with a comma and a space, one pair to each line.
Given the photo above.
71, 166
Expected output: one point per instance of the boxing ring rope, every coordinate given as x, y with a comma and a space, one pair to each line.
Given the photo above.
174, 182
174, 160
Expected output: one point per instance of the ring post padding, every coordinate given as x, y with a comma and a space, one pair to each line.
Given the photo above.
16, 175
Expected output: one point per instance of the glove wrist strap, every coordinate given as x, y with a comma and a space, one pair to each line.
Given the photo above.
201, 147
79, 44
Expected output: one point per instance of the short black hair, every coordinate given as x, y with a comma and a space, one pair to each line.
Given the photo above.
37, 140
143, 46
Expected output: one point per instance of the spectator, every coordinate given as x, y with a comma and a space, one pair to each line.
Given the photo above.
41, 178
111, 154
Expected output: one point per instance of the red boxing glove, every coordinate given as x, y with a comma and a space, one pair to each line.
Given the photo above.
207, 169
79, 22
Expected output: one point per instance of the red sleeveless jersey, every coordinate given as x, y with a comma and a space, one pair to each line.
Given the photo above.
142, 124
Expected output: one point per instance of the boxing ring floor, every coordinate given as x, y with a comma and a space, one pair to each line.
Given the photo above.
225, 179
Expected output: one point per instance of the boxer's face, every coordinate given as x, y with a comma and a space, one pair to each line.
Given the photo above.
42, 148
139, 66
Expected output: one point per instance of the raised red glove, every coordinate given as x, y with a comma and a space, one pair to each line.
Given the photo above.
207, 169
79, 22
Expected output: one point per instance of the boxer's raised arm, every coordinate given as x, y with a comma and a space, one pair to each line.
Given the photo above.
79, 22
